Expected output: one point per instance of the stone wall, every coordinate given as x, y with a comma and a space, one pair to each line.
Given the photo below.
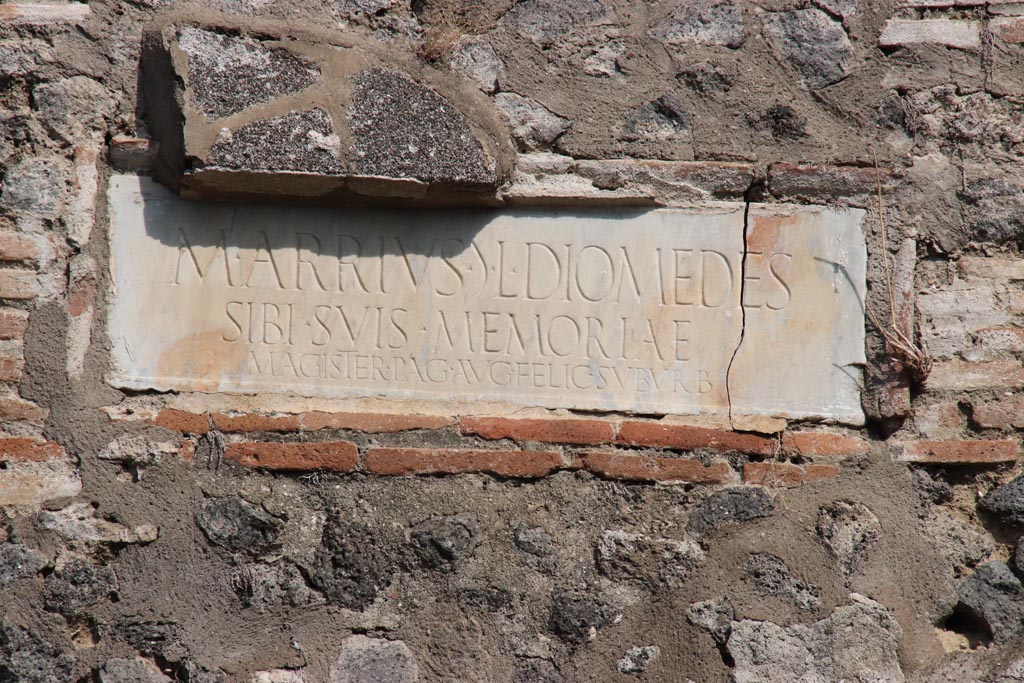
207, 537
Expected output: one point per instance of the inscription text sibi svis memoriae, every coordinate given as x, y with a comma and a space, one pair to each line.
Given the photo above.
755, 310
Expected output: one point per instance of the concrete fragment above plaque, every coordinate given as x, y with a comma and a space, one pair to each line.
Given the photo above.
657, 311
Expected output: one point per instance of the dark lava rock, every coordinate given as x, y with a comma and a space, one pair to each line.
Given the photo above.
576, 618
706, 78
791, 33
1006, 502
227, 74
299, 141
17, 561
150, 638
737, 504
238, 526
931, 489
533, 540
262, 586
772, 577
401, 129
490, 599
27, 658
77, 585
993, 599
350, 566
536, 671
783, 123
446, 540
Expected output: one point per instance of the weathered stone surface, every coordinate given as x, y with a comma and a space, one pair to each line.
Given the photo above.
790, 34
18, 561
478, 61
533, 125
536, 671
77, 584
239, 113
263, 586
461, 300
25, 657
711, 22
857, 644
737, 505
848, 529
576, 617
1006, 502
350, 565
771, 576
299, 141
993, 598
374, 660
73, 108
714, 616
654, 562
78, 522
229, 74
637, 659
134, 670
547, 21
445, 541
34, 189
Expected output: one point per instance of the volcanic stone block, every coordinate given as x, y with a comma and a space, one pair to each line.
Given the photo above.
241, 114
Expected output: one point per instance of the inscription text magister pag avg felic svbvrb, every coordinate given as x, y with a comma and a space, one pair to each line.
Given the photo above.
614, 310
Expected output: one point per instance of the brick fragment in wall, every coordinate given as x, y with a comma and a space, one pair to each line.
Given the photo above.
81, 211
43, 14
427, 461
979, 452
132, 153
548, 430
33, 249
13, 408
1006, 70
630, 466
13, 323
953, 33
823, 444
41, 472
819, 183
941, 420
22, 285
668, 179
409, 132
1004, 412
786, 474
337, 456
686, 437
965, 376
81, 295
991, 268
12, 360
372, 422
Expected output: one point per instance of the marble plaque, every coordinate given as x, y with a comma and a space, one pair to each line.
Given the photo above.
720, 309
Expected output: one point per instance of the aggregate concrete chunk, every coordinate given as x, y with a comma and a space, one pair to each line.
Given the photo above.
637, 659
855, 644
262, 586
18, 561
547, 21
848, 530
533, 125
994, 209
714, 616
134, 670
78, 522
237, 525
1006, 502
962, 543
299, 141
624, 556
993, 598
710, 22
791, 35
77, 584
402, 129
228, 74
658, 120
35, 187
536, 671
73, 108
374, 660
27, 658
737, 504
772, 577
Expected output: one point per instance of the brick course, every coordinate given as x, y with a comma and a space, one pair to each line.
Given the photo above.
688, 438
339, 456
786, 474
572, 431
411, 461
961, 452
629, 466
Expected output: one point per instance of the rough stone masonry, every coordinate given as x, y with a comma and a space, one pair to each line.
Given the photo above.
170, 513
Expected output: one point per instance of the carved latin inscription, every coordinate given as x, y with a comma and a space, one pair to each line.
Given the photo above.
617, 310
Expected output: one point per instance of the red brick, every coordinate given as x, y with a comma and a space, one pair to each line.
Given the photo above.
633, 467
340, 456
964, 376
517, 464
22, 449
547, 430
372, 422
786, 474
688, 438
818, 181
961, 452
13, 408
182, 421
187, 451
13, 323
19, 284
20, 246
132, 153
823, 443
1003, 413
81, 295
992, 268
253, 422
11, 366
